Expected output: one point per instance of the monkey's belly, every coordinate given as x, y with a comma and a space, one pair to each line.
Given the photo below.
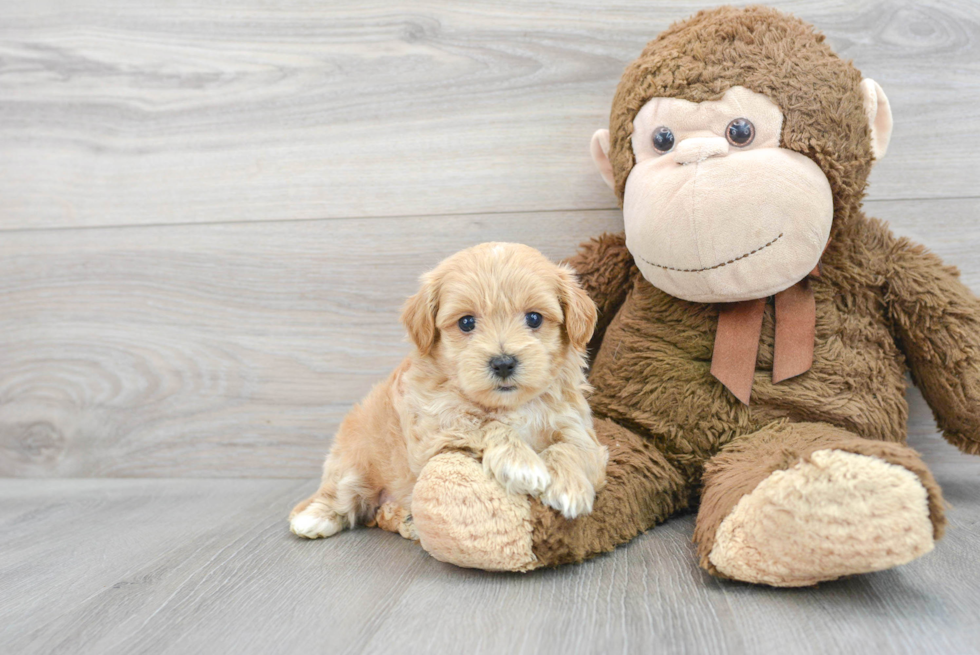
652, 374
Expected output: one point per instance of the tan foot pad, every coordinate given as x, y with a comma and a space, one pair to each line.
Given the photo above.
838, 514
464, 517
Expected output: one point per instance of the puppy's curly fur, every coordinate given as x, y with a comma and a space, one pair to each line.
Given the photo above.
533, 427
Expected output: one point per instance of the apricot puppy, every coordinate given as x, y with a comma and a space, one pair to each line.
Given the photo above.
497, 371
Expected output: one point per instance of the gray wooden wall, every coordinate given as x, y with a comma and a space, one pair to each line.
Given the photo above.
211, 212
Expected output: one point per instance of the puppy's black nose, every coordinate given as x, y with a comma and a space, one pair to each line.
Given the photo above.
503, 366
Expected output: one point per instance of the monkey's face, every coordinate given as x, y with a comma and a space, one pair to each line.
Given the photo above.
714, 209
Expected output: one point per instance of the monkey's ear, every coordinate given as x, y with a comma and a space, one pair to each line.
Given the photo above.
600, 155
580, 311
419, 315
879, 114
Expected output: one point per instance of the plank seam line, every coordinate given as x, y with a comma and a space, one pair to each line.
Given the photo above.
267, 221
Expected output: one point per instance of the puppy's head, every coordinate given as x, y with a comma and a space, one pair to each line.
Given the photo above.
500, 321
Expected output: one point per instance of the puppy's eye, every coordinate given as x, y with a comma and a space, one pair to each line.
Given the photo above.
467, 323
533, 320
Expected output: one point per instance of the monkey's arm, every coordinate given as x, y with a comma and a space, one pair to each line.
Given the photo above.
937, 321
605, 270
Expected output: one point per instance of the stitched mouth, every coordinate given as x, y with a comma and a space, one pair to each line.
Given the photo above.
711, 268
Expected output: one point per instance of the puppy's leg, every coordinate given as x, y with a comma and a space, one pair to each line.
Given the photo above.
358, 467
342, 497
344, 492
515, 464
578, 469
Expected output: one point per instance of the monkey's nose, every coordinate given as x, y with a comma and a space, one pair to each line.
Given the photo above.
503, 366
695, 150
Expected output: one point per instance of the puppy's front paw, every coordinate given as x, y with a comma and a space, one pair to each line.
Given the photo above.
517, 468
316, 521
570, 494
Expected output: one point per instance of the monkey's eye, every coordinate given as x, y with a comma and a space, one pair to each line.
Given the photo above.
533, 320
467, 324
663, 139
740, 132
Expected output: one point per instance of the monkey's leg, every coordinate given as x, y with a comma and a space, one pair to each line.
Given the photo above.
463, 516
799, 503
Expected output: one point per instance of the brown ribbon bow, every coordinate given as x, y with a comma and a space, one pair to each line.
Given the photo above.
739, 330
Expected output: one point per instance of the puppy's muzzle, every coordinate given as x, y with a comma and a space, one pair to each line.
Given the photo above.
503, 366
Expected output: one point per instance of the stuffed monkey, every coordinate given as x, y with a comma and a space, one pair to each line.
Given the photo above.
755, 328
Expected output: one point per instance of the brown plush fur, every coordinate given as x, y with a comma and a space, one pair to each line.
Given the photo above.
642, 489
884, 306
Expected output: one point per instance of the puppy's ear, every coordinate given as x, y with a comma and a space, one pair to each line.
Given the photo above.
580, 311
419, 315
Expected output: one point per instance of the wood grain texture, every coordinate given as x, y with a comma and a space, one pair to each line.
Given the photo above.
209, 217
120, 113
195, 566
235, 350
204, 350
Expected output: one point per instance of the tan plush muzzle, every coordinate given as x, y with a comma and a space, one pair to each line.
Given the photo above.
711, 224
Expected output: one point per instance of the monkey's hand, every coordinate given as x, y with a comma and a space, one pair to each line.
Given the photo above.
937, 322
604, 267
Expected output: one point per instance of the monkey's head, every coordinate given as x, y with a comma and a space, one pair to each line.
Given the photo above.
735, 139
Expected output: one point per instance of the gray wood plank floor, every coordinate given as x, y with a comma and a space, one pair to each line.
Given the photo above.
209, 566
209, 217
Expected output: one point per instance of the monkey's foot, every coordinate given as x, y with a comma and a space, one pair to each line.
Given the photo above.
837, 514
463, 516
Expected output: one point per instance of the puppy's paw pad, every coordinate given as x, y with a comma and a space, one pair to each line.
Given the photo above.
313, 524
572, 502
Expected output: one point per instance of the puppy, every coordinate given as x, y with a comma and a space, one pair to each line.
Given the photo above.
497, 371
